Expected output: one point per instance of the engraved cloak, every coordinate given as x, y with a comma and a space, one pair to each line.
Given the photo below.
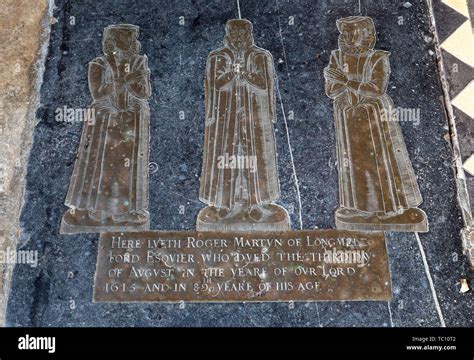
375, 172
121, 120
239, 111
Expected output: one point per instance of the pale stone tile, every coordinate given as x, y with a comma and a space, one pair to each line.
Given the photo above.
464, 101
460, 44
459, 5
469, 165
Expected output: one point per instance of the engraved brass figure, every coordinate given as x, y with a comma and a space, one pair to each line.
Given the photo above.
108, 190
377, 184
239, 179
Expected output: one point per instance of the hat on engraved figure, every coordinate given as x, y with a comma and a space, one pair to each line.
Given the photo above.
239, 23
111, 31
364, 23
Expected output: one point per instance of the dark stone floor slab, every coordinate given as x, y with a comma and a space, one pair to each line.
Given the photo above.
59, 291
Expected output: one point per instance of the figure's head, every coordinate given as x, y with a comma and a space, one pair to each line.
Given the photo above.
239, 34
121, 40
357, 34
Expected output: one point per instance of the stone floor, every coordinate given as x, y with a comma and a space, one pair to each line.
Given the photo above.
455, 24
24, 27
426, 268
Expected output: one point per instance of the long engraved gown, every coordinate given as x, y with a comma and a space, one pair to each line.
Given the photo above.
375, 173
239, 122
110, 173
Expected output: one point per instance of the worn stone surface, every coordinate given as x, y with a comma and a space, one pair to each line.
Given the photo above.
22, 30
59, 291
456, 67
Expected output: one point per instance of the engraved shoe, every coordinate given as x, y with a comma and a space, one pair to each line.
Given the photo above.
75, 216
209, 214
223, 213
255, 214
97, 215
138, 217
407, 220
352, 213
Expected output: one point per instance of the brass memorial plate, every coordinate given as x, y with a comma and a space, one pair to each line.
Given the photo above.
239, 179
108, 190
307, 265
377, 185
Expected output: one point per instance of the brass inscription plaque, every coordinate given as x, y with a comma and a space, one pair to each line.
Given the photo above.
309, 265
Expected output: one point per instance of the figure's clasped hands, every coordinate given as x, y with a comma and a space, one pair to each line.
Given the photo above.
336, 75
136, 76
